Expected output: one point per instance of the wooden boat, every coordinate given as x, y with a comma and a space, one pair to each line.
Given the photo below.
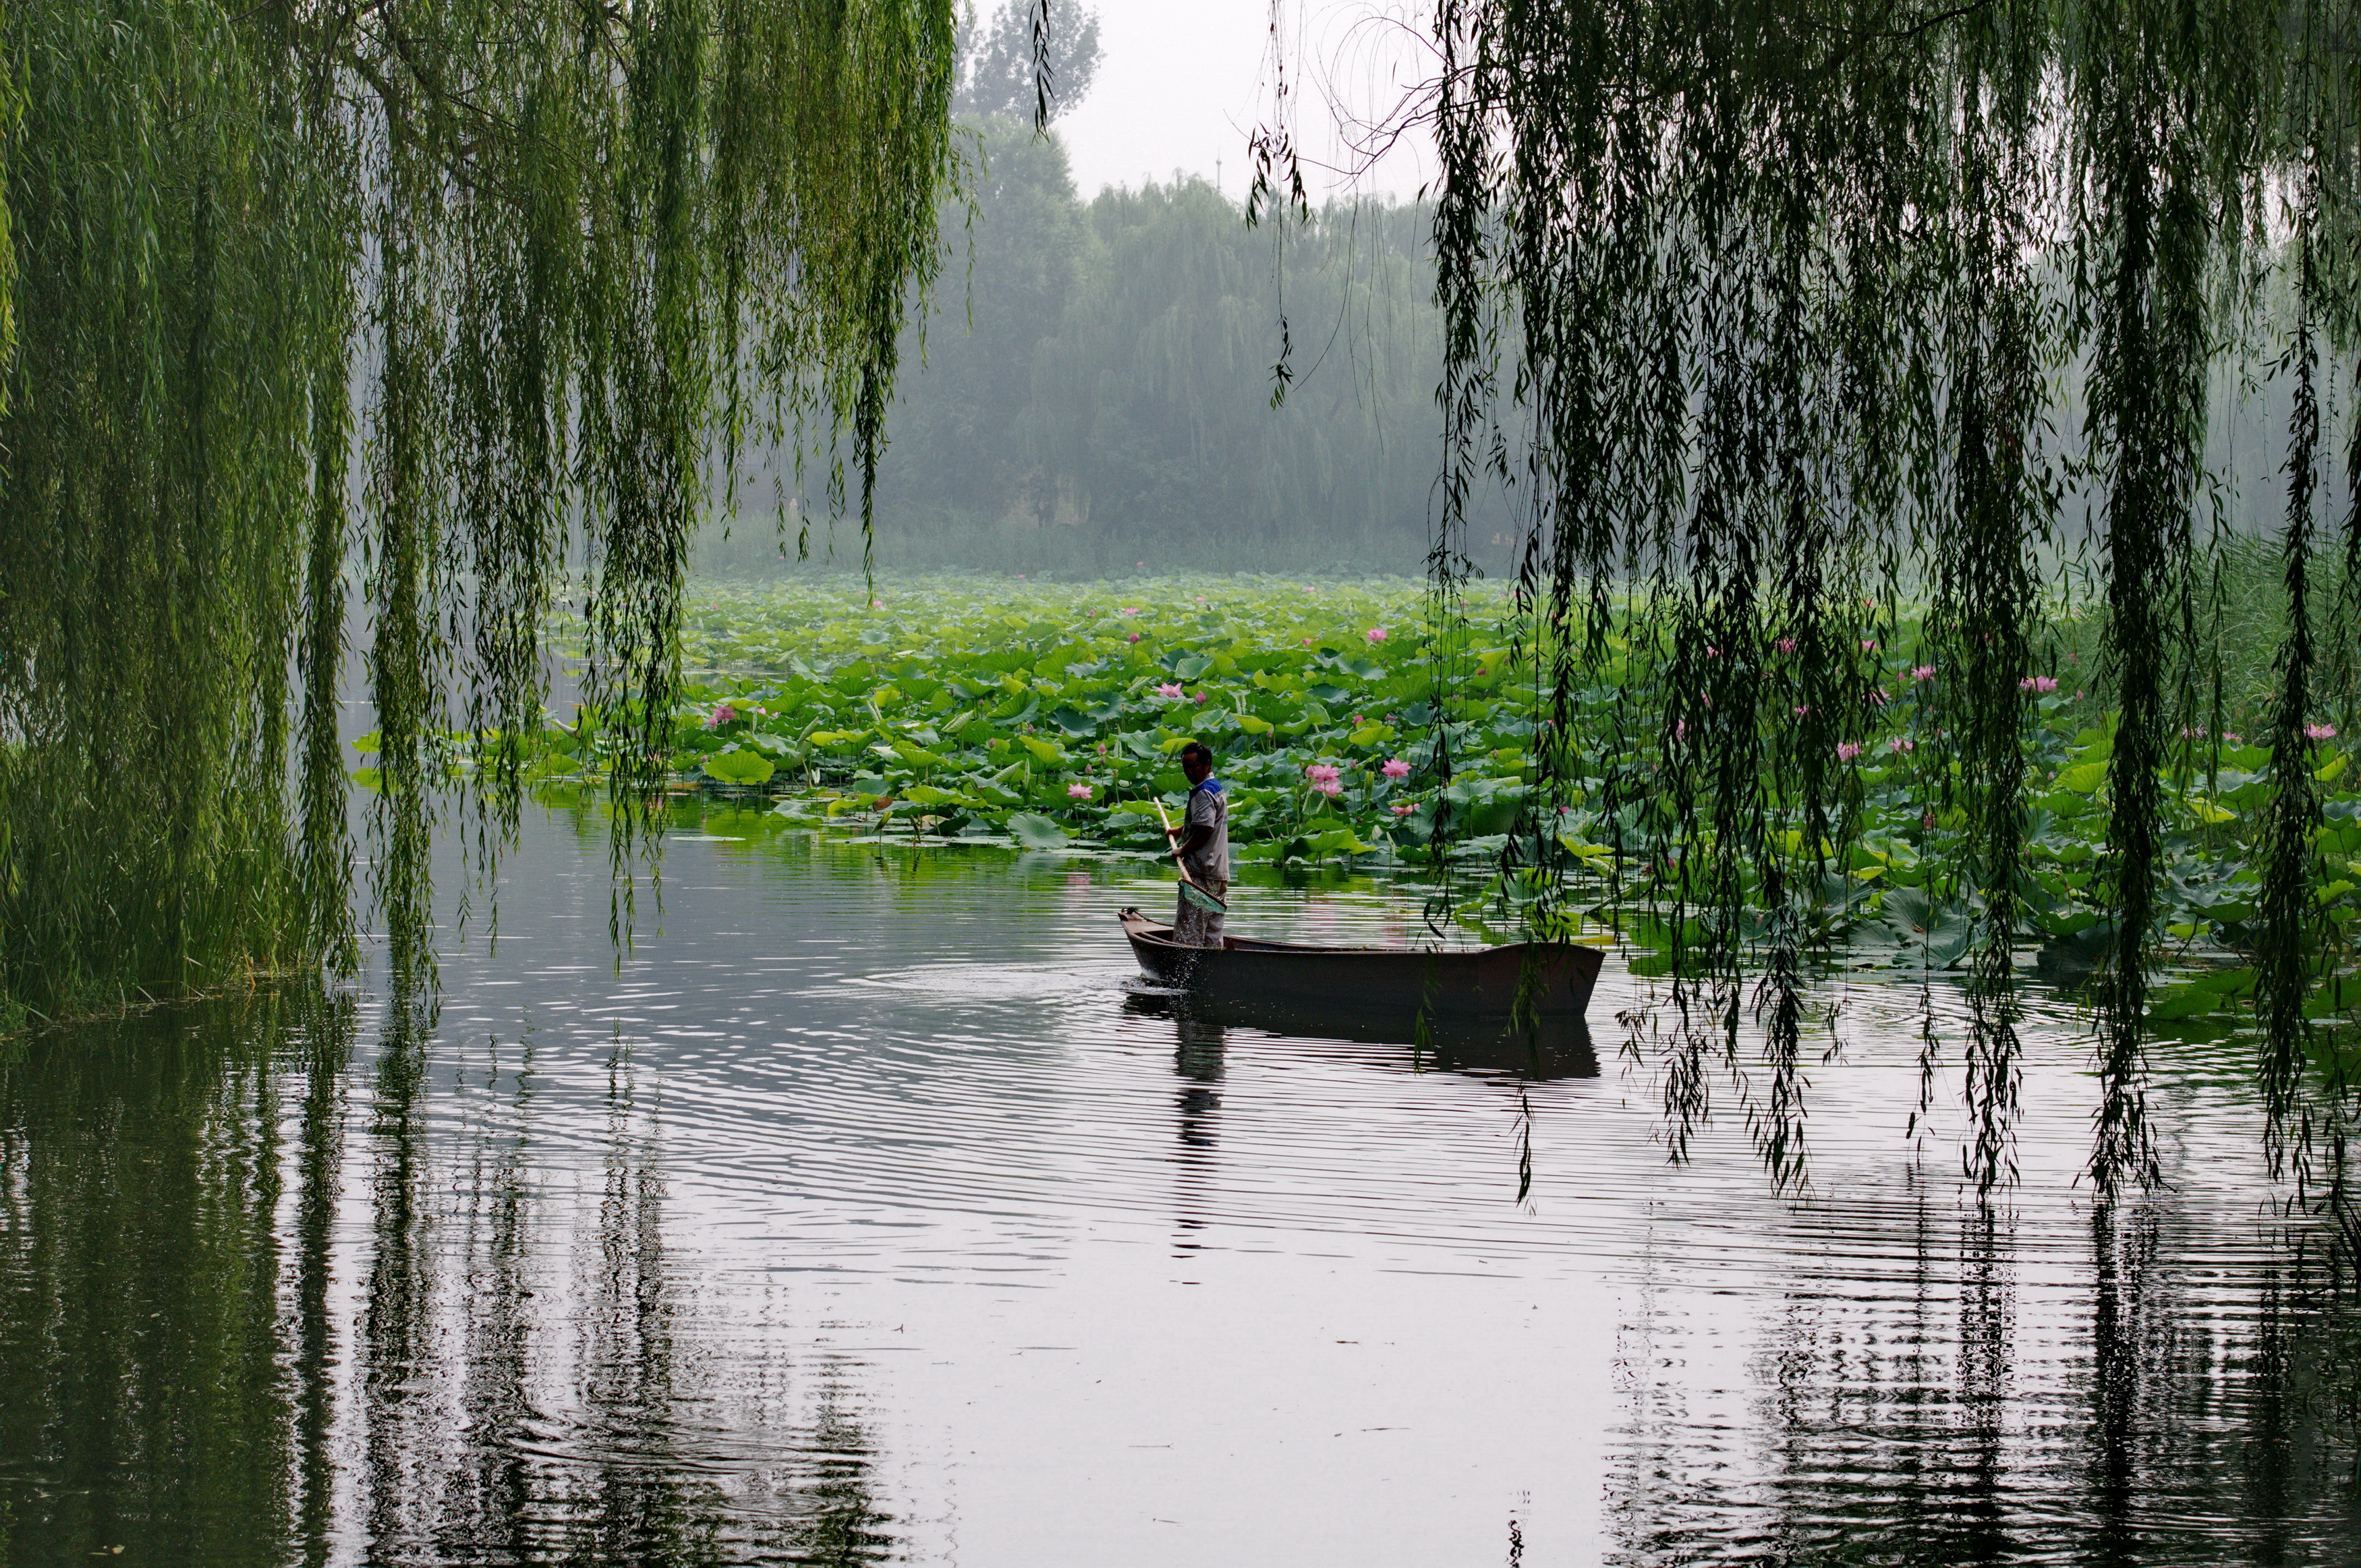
1477, 982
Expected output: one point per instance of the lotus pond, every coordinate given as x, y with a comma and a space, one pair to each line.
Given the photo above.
1009, 712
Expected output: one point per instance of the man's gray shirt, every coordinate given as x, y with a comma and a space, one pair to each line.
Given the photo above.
1209, 806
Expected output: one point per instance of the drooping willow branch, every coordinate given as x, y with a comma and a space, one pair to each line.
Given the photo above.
1792, 290
542, 261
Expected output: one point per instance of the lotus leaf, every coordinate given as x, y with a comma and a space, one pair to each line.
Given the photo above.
739, 767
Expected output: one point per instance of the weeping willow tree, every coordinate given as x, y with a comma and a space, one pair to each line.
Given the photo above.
466, 292
1783, 289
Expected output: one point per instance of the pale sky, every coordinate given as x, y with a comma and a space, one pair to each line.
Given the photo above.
1182, 85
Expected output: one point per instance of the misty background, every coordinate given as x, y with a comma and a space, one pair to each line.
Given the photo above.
1090, 390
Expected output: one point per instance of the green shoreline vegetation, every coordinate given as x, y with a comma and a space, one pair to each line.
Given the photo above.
1039, 715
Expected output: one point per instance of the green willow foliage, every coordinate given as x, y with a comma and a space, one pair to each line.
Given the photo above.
537, 261
1788, 289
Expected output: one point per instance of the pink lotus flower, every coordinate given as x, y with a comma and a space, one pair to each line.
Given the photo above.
1900, 747
1403, 808
1169, 688
1132, 637
1329, 787
1131, 609
2320, 732
1922, 673
1848, 750
2229, 737
1713, 653
877, 604
2038, 684
1874, 697
1322, 772
2192, 732
1803, 710
723, 715
1139, 563
1395, 768
1868, 645
1787, 644
1200, 696
1375, 634
1079, 791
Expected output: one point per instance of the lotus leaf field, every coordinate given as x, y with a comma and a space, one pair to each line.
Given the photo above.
1048, 716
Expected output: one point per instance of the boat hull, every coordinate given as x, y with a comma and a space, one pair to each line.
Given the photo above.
1481, 983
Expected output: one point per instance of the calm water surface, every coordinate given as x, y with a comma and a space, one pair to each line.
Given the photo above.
865, 1216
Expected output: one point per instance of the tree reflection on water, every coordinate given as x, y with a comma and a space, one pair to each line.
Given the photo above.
284, 1283
174, 1233
1902, 1419
163, 1367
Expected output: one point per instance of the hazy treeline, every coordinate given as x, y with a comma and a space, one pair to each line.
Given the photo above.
1093, 386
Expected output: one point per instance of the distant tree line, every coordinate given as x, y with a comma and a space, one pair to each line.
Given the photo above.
1095, 385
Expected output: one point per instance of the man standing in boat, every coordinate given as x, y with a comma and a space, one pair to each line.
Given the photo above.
1203, 842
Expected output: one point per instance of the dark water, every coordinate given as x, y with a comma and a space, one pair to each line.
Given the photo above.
864, 1217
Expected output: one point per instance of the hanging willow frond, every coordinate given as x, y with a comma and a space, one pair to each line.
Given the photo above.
562, 255
1792, 288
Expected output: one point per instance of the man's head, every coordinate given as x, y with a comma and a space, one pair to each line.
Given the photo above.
1196, 760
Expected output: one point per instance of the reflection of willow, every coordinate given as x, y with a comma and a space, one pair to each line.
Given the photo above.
491, 1476
641, 1502
142, 1342
636, 1502
1893, 1424
1197, 1058
2131, 1376
491, 1489
327, 1050
396, 1337
169, 1340
833, 1518
1866, 1455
